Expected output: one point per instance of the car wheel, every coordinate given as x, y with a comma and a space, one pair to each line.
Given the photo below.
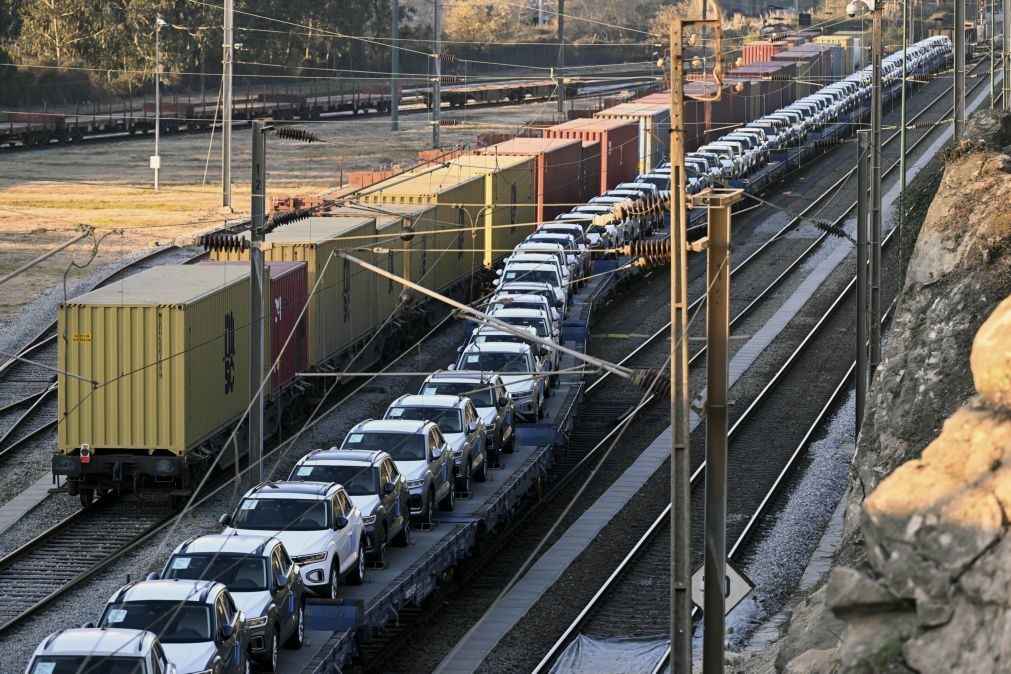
298, 634
482, 473
403, 537
357, 576
248, 667
540, 410
510, 446
463, 480
448, 503
268, 661
380, 553
335, 580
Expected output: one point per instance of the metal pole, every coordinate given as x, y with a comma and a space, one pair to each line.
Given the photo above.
156, 160
680, 543
256, 336
861, 372
226, 109
395, 66
902, 122
1006, 52
993, 52
561, 56
437, 75
717, 382
876, 112
958, 30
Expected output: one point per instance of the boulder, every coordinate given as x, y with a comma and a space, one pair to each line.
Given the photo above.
814, 662
850, 592
812, 627
991, 357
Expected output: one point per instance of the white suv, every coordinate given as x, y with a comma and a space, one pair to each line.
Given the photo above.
317, 522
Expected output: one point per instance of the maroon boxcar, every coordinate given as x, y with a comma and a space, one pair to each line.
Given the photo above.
619, 145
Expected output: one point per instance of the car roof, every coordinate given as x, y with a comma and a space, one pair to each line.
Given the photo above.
506, 297
391, 426
228, 545
97, 641
343, 457
421, 400
176, 589
519, 312
462, 377
500, 347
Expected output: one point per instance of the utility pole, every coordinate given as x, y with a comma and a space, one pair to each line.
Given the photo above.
958, 30
227, 56
156, 159
902, 124
561, 57
680, 543
1006, 53
876, 113
395, 66
861, 373
437, 78
258, 188
719, 202
993, 52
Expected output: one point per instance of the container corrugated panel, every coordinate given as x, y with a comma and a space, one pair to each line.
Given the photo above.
510, 198
341, 308
288, 333
405, 256
808, 71
590, 170
654, 130
558, 166
619, 146
759, 50
845, 56
169, 350
458, 200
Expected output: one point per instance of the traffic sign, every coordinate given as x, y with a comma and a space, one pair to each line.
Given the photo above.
737, 588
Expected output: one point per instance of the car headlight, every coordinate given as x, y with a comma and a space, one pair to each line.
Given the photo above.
256, 623
370, 519
490, 427
309, 559
414, 484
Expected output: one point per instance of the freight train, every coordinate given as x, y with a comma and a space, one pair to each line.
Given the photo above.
154, 376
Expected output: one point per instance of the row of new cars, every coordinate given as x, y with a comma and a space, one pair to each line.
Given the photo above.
228, 602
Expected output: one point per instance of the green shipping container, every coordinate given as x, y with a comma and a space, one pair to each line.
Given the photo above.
168, 350
342, 307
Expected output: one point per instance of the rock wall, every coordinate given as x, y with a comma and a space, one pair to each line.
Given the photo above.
923, 577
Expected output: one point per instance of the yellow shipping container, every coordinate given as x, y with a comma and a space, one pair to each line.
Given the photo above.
168, 350
458, 201
510, 198
342, 308
405, 256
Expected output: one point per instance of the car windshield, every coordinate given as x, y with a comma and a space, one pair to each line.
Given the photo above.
358, 480
495, 362
274, 514
481, 394
401, 446
535, 275
526, 322
239, 573
87, 664
174, 622
596, 229
449, 420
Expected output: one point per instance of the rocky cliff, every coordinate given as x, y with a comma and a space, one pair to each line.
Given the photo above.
923, 577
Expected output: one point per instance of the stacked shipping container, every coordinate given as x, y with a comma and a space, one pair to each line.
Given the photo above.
619, 146
654, 129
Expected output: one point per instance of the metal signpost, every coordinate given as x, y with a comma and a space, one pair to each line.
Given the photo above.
256, 333
227, 55
395, 65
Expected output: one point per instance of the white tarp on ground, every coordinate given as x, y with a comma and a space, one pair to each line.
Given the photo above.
587, 655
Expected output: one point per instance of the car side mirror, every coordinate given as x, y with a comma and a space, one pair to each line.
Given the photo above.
503, 401
88, 625
225, 519
436, 453
152, 576
472, 427
544, 351
559, 304
280, 582
459, 349
389, 488
340, 522
227, 630
498, 272
451, 366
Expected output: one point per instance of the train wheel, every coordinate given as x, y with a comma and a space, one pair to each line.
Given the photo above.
87, 495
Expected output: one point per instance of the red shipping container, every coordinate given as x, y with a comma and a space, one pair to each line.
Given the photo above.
558, 171
589, 173
619, 145
759, 50
289, 285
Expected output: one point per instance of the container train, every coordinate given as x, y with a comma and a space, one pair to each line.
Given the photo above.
154, 374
